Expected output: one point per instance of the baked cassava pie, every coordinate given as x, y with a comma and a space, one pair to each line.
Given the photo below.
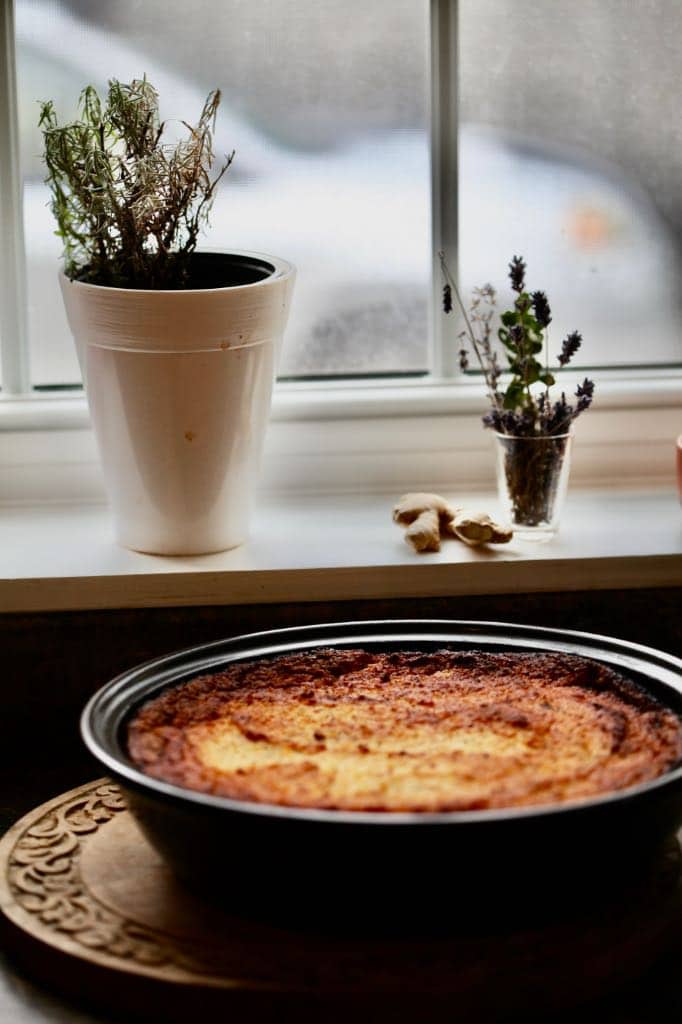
407, 731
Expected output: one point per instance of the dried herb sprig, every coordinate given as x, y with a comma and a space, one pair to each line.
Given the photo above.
478, 330
129, 206
520, 410
569, 347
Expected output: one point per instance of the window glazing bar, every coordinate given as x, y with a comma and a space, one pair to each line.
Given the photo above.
13, 306
444, 170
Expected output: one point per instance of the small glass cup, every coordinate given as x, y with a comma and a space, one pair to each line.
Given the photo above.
532, 476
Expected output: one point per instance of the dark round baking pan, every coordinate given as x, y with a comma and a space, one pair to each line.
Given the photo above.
270, 859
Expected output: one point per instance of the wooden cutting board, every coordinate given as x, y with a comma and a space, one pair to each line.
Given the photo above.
90, 908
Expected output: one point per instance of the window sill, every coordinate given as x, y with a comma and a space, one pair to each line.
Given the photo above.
341, 547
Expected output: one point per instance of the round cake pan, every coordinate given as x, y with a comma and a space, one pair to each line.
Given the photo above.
263, 858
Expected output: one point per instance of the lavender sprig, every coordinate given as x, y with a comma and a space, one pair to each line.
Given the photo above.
543, 314
481, 345
584, 393
517, 273
518, 411
569, 347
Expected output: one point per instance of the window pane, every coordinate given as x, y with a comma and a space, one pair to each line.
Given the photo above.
325, 104
570, 155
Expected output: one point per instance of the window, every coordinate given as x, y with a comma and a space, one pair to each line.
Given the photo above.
370, 133
569, 153
326, 107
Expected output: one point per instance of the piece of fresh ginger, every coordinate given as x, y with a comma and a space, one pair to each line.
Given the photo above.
428, 517
424, 515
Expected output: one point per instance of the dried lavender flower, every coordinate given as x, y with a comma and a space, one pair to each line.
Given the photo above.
477, 329
543, 314
584, 393
495, 369
515, 423
486, 294
493, 419
561, 406
517, 334
517, 273
569, 347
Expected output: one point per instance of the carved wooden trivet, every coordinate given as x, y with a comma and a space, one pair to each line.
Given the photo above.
78, 879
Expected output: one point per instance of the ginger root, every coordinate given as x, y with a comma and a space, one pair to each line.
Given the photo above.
477, 528
424, 515
429, 517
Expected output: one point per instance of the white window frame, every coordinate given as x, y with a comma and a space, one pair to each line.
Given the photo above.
340, 435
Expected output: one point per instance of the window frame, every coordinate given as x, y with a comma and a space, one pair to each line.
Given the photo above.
418, 431
13, 299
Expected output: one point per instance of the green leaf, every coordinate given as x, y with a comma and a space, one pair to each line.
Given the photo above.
548, 379
513, 396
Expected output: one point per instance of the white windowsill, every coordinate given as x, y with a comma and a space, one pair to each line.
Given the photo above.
335, 547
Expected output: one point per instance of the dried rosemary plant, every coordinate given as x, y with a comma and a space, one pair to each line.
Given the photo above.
533, 429
129, 205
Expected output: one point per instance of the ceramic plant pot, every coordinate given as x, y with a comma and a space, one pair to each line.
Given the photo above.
179, 386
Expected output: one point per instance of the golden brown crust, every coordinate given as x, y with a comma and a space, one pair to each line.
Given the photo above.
407, 731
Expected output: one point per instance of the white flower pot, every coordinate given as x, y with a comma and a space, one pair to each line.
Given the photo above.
179, 386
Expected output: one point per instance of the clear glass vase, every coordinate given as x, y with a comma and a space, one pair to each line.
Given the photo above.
532, 476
